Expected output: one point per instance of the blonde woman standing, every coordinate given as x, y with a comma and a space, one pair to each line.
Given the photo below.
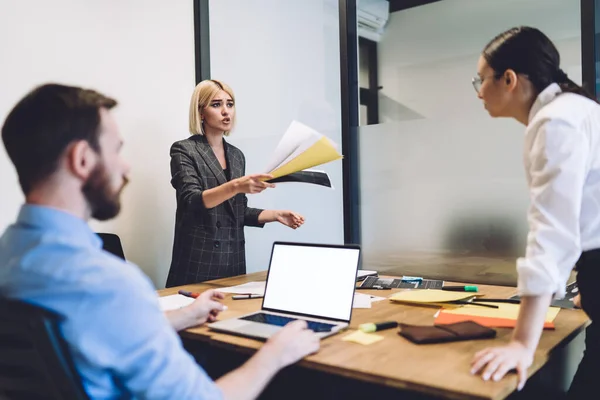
208, 175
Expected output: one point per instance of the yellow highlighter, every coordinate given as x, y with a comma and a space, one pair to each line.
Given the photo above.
374, 327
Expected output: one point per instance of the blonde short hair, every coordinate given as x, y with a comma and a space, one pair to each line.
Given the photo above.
203, 94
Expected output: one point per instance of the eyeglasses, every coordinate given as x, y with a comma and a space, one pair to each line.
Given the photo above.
478, 81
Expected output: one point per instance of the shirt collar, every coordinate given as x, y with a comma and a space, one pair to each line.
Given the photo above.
60, 223
545, 97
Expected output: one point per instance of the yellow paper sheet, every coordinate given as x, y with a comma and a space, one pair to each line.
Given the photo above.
504, 310
362, 338
319, 153
429, 296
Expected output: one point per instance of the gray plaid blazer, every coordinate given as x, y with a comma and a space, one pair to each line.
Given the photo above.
209, 243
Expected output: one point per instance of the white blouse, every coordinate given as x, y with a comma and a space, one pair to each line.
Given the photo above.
562, 164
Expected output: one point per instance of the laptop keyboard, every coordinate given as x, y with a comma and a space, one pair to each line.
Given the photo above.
281, 321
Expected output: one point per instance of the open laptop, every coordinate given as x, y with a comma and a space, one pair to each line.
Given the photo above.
312, 282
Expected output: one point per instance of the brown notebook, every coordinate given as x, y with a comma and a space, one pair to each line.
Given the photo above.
467, 330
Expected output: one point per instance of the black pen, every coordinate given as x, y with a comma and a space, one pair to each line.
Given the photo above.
246, 296
510, 301
467, 302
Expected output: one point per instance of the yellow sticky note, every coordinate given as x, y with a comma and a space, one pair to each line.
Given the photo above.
362, 338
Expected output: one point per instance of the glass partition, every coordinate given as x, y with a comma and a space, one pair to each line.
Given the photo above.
443, 192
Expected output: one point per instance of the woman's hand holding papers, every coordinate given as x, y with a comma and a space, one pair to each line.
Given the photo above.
252, 184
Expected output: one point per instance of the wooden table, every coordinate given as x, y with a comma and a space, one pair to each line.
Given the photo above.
436, 370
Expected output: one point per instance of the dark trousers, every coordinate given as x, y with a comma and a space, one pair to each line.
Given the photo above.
585, 382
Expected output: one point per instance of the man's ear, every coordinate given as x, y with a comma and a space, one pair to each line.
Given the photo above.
81, 159
510, 79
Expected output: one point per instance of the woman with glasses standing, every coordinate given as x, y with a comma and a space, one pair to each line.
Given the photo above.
208, 175
519, 76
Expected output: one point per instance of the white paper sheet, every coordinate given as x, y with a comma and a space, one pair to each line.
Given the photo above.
296, 139
246, 288
361, 300
174, 302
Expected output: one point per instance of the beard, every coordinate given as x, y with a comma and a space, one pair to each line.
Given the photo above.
104, 202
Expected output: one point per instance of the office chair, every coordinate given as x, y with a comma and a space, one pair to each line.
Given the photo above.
112, 244
35, 362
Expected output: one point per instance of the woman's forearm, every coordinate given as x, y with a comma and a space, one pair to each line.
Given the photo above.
530, 323
215, 196
267, 216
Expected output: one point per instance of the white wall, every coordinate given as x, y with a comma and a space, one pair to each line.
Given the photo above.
138, 51
452, 175
281, 59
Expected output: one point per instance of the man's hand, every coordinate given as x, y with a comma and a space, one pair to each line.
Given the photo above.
292, 343
494, 362
204, 309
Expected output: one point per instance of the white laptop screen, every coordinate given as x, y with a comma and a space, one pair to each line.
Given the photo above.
313, 280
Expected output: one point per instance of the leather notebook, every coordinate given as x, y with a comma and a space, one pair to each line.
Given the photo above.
466, 330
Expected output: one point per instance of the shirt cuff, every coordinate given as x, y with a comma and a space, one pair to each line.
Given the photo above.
251, 217
536, 279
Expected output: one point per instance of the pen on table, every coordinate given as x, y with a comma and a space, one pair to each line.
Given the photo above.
193, 295
473, 303
246, 296
374, 327
510, 301
460, 288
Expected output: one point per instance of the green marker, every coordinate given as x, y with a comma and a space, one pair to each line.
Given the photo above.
460, 288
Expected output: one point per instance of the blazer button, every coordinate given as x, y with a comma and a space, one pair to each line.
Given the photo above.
217, 244
218, 224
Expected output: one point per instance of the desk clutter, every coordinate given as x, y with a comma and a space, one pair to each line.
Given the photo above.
405, 282
464, 313
422, 334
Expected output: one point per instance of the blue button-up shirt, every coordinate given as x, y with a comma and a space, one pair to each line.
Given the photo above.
121, 342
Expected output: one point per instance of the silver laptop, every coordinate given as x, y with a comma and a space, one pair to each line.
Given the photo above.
312, 282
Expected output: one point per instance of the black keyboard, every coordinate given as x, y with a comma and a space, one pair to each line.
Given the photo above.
282, 321
395, 283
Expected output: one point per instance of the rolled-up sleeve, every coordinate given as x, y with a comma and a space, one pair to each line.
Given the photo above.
556, 163
185, 179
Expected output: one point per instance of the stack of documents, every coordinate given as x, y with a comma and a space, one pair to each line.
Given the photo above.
300, 148
505, 316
